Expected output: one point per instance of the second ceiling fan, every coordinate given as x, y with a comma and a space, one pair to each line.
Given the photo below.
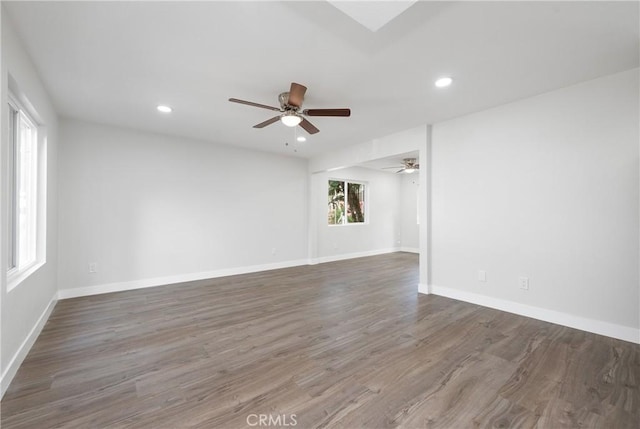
290, 111
409, 165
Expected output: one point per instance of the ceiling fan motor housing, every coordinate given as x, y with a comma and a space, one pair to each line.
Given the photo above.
410, 163
283, 98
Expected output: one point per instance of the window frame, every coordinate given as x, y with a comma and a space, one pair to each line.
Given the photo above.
12, 262
346, 190
16, 271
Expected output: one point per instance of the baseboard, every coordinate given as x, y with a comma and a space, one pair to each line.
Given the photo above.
589, 325
167, 280
181, 278
343, 256
424, 289
409, 249
23, 350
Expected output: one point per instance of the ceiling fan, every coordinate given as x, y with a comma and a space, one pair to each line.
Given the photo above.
291, 112
409, 165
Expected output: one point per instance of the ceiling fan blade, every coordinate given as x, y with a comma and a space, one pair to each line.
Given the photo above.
389, 168
296, 94
251, 103
327, 112
267, 122
308, 126
400, 171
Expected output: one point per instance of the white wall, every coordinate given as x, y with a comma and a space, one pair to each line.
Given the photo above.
25, 308
151, 209
381, 233
409, 230
545, 188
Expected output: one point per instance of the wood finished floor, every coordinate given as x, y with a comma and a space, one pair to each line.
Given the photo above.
347, 344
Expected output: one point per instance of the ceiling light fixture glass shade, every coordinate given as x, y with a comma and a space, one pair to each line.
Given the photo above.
409, 170
301, 138
290, 119
164, 109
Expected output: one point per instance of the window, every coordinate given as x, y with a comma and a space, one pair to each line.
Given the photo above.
354, 210
23, 191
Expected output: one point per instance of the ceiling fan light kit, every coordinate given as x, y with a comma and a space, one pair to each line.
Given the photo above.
291, 112
290, 119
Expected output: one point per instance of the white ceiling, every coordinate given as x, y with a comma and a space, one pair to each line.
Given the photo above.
113, 62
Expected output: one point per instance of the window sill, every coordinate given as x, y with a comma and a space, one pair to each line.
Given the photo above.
348, 224
17, 277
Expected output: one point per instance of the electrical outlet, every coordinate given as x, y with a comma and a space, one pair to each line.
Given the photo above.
523, 283
482, 276
93, 267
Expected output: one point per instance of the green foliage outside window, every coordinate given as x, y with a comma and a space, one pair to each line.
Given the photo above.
354, 210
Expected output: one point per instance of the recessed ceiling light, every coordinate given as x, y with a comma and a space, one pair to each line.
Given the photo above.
443, 81
301, 139
164, 109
